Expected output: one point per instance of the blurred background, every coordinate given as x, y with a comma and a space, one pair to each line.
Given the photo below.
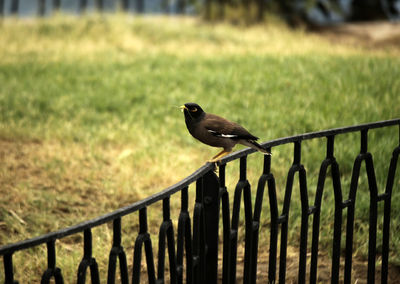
317, 12
89, 120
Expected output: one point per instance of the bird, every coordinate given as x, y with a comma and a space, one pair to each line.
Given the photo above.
217, 131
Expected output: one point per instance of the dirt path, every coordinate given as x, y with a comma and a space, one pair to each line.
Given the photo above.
368, 34
359, 269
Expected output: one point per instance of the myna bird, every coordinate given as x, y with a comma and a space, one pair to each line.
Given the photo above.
216, 131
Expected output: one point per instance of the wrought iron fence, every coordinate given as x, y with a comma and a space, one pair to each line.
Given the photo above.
195, 248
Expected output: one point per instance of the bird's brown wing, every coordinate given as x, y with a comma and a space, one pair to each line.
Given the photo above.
222, 127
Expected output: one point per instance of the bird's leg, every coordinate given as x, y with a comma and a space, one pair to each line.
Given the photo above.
219, 156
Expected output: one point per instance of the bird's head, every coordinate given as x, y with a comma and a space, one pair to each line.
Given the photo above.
192, 111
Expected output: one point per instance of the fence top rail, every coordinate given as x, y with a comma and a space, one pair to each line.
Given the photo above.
13, 247
313, 135
10, 248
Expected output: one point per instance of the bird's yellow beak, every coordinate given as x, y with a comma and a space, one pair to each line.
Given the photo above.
183, 107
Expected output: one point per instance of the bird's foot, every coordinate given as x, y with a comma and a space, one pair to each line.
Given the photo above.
216, 168
216, 164
217, 158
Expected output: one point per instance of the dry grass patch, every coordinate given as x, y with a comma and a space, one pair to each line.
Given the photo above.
123, 36
44, 189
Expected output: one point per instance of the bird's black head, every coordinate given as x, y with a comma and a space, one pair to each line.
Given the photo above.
192, 111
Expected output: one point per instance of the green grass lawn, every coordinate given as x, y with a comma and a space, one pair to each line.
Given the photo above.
89, 120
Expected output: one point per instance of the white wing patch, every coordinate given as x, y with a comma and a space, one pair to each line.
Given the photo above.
215, 133
228, 136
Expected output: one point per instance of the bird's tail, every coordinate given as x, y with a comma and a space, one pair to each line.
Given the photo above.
253, 144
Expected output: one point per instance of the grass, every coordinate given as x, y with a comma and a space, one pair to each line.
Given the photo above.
88, 119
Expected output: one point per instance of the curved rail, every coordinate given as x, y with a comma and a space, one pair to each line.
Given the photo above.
10, 248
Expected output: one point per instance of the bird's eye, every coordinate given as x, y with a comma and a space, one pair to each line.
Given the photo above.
194, 109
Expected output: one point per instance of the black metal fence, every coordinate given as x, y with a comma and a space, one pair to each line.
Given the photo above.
195, 248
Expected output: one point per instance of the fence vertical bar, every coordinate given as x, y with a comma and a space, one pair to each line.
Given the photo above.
284, 226
199, 244
264, 178
273, 246
248, 233
351, 205
170, 241
304, 220
52, 270
161, 242
8, 269
211, 218
373, 218
117, 251
143, 238
166, 235
316, 220
88, 260
284, 219
147, 245
242, 188
317, 204
350, 220
184, 241
337, 226
386, 218
1, 8
224, 196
